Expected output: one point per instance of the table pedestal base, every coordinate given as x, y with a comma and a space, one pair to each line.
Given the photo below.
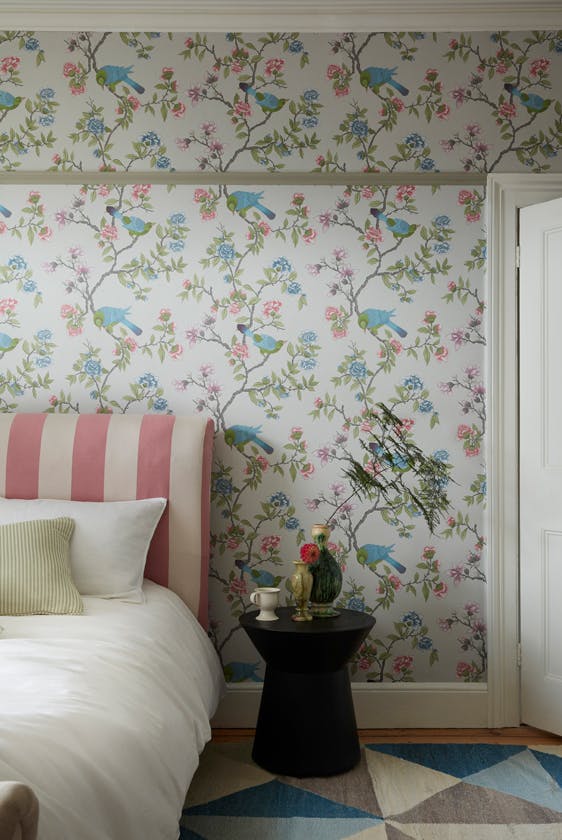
306, 724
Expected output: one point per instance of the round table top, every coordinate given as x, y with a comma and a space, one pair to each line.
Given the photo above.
346, 621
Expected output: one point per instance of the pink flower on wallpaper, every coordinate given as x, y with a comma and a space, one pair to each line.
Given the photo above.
9, 63
507, 110
3, 227
270, 543
440, 590
274, 66
405, 191
395, 582
459, 95
307, 470
402, 663
133, 102
141, 191
271, 306
8, 305
396, 345
441, 354
240, 351
109, 232
238, 586
243, 109
539, 66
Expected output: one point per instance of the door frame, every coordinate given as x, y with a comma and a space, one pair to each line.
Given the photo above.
505, 195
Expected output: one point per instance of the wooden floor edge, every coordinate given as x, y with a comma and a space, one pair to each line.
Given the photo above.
510, 735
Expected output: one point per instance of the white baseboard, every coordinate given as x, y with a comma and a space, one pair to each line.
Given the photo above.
380, 705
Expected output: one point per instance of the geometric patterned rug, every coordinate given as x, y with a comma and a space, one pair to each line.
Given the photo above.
397, 792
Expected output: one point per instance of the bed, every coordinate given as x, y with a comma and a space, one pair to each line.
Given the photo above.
103, 713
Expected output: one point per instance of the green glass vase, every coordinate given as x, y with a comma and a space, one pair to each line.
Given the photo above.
326, 576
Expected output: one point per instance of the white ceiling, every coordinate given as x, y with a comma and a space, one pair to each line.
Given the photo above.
280, 15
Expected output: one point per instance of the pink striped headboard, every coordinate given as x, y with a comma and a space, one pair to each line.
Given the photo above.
114, 457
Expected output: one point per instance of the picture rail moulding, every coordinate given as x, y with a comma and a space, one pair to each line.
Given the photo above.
316, 16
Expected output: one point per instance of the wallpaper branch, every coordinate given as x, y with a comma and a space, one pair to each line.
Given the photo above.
283, 309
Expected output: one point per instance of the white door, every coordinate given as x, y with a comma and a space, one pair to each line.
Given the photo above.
540, 455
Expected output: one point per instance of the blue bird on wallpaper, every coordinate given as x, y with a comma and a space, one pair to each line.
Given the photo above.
266, 343
374, 77
133, 224
268, 102
241, 435
7, 343
8, 101
110, 75
5, 212
399, 228
261, 577
110, 316
531, 101
397, 462
240, 201
369, 555
240, 671
372, 319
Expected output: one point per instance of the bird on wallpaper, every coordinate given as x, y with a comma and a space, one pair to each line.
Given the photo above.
397, 462
374, 77
369, 555
265, 343
5, 212
110, 74
8, 101
268, 102
133, 224
531, 101
241, 201
399, 228
241, 435
372, 319
260, 577
7, 343
110, 316
240, 671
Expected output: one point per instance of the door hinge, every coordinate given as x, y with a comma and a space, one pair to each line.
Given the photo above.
517, 256
518, 654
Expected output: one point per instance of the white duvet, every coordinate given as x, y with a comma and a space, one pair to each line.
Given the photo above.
105, 714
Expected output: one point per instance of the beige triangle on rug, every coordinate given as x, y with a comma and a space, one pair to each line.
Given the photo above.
552, 749
219, 776
400, 785
452, 831
376, 832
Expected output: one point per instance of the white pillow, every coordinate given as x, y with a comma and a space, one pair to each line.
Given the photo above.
110, 541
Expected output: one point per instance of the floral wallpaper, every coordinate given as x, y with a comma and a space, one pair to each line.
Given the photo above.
283, 311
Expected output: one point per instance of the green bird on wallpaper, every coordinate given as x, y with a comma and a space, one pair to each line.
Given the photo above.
374, 77
239, 436
110, 75
8, 101
534, 103
268, 102
372, 319
111, 316
241, 201
399, 228
135, 226
266, 343
7, 343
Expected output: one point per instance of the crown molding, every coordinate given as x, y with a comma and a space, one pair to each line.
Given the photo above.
269, 16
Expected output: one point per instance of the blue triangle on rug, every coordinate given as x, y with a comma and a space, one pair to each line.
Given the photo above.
277, 800
458, 760
551, 763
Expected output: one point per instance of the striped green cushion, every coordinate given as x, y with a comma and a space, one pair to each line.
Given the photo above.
35, 568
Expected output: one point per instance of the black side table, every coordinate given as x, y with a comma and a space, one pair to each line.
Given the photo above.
306, 723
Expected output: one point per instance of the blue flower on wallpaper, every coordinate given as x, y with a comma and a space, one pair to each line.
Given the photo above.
46, 93
43, 361
17, 263
95, 126
356, 603
425, 643
308, 337
163, 162
441, 221
151, 139
426, 406
412, 620
32, 44
292, 523
414, 276
441, 247
148, 380
357, 370
44, 335
296, 46
176, 245
223, 486
311, 95
30, 286
16, 390
177, 219
226, 252
294, 288
427, 164
558, 45
93, 368
309, 122
46, 119
94, 395
282, 265
414, 140
413, 383
359, 128
441, 455
279, 500
307, 364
